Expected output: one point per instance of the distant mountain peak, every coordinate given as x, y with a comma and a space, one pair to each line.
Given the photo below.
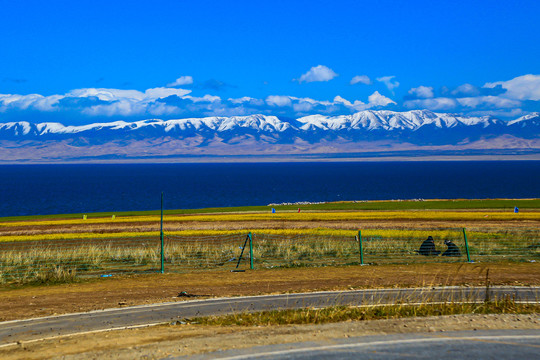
256, 134
367, 120
531, 119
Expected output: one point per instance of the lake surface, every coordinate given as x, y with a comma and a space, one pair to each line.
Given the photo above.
54, 189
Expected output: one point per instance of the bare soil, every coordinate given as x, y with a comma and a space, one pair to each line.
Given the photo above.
162, 341
102, 293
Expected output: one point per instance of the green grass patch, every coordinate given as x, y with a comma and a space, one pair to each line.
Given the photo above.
347, 313
505, 204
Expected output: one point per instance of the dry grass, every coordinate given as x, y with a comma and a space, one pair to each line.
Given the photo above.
28, 249
22, 263
318, 231
303, 216
365, 313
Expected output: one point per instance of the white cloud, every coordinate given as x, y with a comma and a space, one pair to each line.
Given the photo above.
339, 100
374, 100
117, 101
466, 90
440, 103
278, 100
247, 99
167, 101
161, 109
525, 87
106, 94
156, 102
123, 107
504, 98
30, 101
480, 103
377, 99
117, 94
513, 113
182, 80
302, 107
387, 80
423, 92
318, 73
311, 101
361, 79
205, 98
357, 105
488, 101
128, 102
160, 93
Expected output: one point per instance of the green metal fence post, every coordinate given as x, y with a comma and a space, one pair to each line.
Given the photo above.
250, 251
466, 245
161, 238
361, 249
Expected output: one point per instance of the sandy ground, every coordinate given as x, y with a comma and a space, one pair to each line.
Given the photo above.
119, 291
177, 340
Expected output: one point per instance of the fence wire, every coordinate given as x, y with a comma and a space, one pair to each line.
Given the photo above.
304, 250
270, 250
183, 253
512, 245
48, 260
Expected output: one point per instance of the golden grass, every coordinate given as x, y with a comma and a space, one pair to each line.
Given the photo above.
103, 244
77, 236
386, 233
270, 249
348, 313
303, 216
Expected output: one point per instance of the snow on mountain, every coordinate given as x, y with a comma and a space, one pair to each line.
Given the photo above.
313, 127
18, 128
527, 120
219, 124
254, 135
391, 120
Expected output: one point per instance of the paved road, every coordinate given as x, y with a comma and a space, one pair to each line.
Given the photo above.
489, 344
31, 329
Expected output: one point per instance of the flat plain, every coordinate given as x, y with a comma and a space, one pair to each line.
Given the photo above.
408, 222
412, 221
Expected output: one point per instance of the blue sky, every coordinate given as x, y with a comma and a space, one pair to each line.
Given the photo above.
79, 62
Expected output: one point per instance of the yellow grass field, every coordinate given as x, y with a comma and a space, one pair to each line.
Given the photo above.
441, 234
66, 247
294, 216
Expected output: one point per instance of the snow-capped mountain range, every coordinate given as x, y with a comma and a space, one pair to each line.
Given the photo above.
263, 134
365, 120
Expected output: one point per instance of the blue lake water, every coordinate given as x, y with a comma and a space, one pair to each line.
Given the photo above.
53, 189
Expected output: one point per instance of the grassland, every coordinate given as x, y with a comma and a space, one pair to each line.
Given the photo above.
292, 252
288, 216
385, 233
460, 204
44, 248
65, 260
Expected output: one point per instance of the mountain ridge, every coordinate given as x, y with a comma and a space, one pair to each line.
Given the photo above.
262, 135
368, 120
